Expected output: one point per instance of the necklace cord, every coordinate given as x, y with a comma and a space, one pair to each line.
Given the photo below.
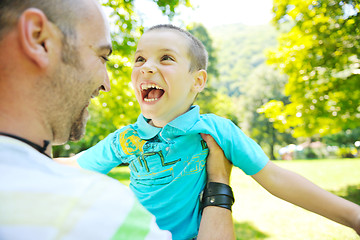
32, 144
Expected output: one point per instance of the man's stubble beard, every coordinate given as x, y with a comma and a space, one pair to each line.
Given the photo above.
78, 127
71, 57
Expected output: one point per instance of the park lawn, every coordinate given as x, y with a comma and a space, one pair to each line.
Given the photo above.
259, 215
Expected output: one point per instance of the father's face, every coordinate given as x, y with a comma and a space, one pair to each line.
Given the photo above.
82, 72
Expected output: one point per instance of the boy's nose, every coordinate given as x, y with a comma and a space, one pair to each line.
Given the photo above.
147, 68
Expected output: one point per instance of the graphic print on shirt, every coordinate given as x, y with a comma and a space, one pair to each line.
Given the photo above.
195, 163
147, 167
130, 142
153, 166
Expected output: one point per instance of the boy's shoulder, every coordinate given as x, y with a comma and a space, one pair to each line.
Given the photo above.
209, 116
213, 118
213, 122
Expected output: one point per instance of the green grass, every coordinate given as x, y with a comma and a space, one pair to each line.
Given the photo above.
259, 215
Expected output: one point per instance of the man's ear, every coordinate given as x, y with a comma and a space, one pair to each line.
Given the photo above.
200, 79
34, 33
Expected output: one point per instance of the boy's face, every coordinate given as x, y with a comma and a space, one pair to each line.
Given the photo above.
163, 85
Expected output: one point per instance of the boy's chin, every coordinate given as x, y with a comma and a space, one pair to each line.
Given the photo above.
147, 114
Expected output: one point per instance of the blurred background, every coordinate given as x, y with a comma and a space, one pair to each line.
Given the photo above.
287, 72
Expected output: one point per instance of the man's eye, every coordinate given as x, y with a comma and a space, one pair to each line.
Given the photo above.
166, 58
140, 59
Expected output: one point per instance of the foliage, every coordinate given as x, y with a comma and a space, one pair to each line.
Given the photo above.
201, 33
118, 107
347, 142
168, 7
264, 84
345, 138
319, 51
213, 101
240, 50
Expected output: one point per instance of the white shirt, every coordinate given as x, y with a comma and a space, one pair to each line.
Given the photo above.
41, 199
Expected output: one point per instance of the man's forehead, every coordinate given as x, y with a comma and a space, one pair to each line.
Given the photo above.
94, 28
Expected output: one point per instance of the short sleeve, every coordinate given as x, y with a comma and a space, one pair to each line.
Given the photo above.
241, 150
102, 157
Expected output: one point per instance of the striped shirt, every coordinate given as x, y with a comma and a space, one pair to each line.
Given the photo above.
41, 199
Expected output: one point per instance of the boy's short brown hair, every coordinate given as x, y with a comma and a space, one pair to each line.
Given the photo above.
197, 52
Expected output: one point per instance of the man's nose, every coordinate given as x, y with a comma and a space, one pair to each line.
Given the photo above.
106, 84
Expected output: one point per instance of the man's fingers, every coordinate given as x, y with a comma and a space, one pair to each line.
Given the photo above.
210, 141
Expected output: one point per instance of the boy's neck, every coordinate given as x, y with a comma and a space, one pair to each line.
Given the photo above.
157, 125
163, 124
150, 122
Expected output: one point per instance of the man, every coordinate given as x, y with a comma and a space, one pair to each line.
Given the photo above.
52, 62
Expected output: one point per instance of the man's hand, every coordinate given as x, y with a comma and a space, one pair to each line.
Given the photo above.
217, 166
216, 222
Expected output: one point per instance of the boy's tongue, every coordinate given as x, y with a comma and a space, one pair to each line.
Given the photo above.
155, 93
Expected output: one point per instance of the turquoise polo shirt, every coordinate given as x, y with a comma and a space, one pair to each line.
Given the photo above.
167, 165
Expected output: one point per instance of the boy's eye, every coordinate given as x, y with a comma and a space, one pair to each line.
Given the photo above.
140, 59
166, 58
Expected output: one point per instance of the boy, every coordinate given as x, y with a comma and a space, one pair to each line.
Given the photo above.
164, 149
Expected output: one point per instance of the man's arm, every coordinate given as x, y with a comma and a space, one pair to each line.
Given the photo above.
216, 222
296, 189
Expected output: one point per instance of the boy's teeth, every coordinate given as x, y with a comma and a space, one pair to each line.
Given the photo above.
147, 86
150, 100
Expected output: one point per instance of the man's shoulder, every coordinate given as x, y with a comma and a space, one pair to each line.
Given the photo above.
82, 198
108, 200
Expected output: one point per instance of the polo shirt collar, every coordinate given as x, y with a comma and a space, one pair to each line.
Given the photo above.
178, 126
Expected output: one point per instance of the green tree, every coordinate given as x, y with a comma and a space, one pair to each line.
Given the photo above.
201, 33
264, 84
117, 108
319, 50
345, 138
347, 141
240, 51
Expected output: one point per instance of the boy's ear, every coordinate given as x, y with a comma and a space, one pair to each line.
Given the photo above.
200, 79
34, 32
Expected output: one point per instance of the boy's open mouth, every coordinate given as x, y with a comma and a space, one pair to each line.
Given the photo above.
151, 92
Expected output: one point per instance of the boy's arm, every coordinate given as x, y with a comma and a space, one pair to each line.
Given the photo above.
296, 189
216, 222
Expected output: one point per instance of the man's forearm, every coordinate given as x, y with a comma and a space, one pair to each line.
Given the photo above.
216, 224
